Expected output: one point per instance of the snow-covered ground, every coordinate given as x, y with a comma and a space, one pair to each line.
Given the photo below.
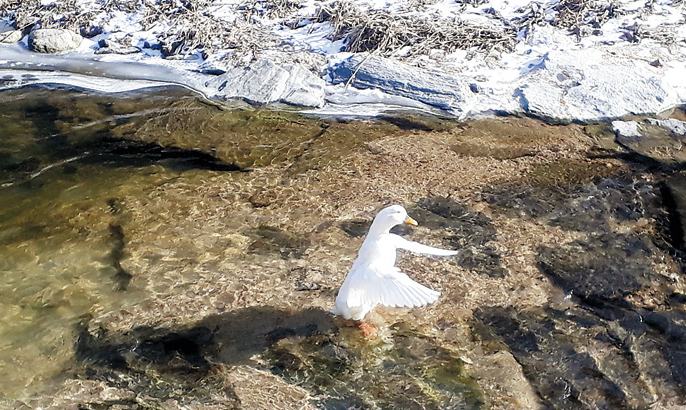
577, 60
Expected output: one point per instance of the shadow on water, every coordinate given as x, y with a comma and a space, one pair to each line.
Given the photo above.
58, 129
304, 347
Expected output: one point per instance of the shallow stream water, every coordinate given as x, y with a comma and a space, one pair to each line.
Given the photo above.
159, 251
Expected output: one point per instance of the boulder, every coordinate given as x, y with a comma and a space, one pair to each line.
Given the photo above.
434, 88
50, 40
591, 85
265, 82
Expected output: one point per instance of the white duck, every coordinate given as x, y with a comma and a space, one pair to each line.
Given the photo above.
374, 280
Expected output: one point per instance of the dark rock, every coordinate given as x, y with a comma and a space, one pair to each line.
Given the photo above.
586, 207
91, 31
468, 232
588, 268
356, 228
548, 343
273, 240
111, 47
673, 191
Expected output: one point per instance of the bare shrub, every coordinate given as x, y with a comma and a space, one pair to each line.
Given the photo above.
582, 17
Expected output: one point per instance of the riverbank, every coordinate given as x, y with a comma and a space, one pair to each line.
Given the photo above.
561, 61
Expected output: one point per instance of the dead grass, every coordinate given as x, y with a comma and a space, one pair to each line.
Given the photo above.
61, 14
583, 17
580, 17
386, 33
192, 27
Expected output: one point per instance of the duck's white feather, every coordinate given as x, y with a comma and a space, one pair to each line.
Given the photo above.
374, 280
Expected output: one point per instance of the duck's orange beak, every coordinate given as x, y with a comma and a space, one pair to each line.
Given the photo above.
411, 221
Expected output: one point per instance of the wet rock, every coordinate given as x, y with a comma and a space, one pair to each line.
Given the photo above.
479, 150
256, 387
674, 194
356, 228
184, 366
307, 278
469, 233
434, 88
552, 348
265, 82
570, 85
408, 371
659, 140
273, 240
588, 269
49, 40
11, 37
588, 207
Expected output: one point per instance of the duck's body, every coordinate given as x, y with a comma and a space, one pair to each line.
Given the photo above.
374, 280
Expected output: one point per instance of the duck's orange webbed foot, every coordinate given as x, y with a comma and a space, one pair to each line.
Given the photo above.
370, 331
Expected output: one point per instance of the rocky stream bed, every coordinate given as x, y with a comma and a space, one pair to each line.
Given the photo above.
161, 252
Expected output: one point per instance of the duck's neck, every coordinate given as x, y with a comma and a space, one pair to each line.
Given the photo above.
379, 228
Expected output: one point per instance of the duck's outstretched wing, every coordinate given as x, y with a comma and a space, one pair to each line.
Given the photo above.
415, 247
393, 288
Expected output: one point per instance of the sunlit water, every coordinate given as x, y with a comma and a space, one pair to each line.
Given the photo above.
158, 246
65, 168
59, 235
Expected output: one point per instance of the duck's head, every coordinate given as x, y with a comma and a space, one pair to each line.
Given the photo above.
392, 216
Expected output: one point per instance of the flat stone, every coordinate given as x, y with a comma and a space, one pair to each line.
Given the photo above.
265, 82
11, 37
49, 40
591, 85
434, 88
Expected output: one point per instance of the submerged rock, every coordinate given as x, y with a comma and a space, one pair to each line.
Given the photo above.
49, 40
265, 82
193, 285
470, 233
